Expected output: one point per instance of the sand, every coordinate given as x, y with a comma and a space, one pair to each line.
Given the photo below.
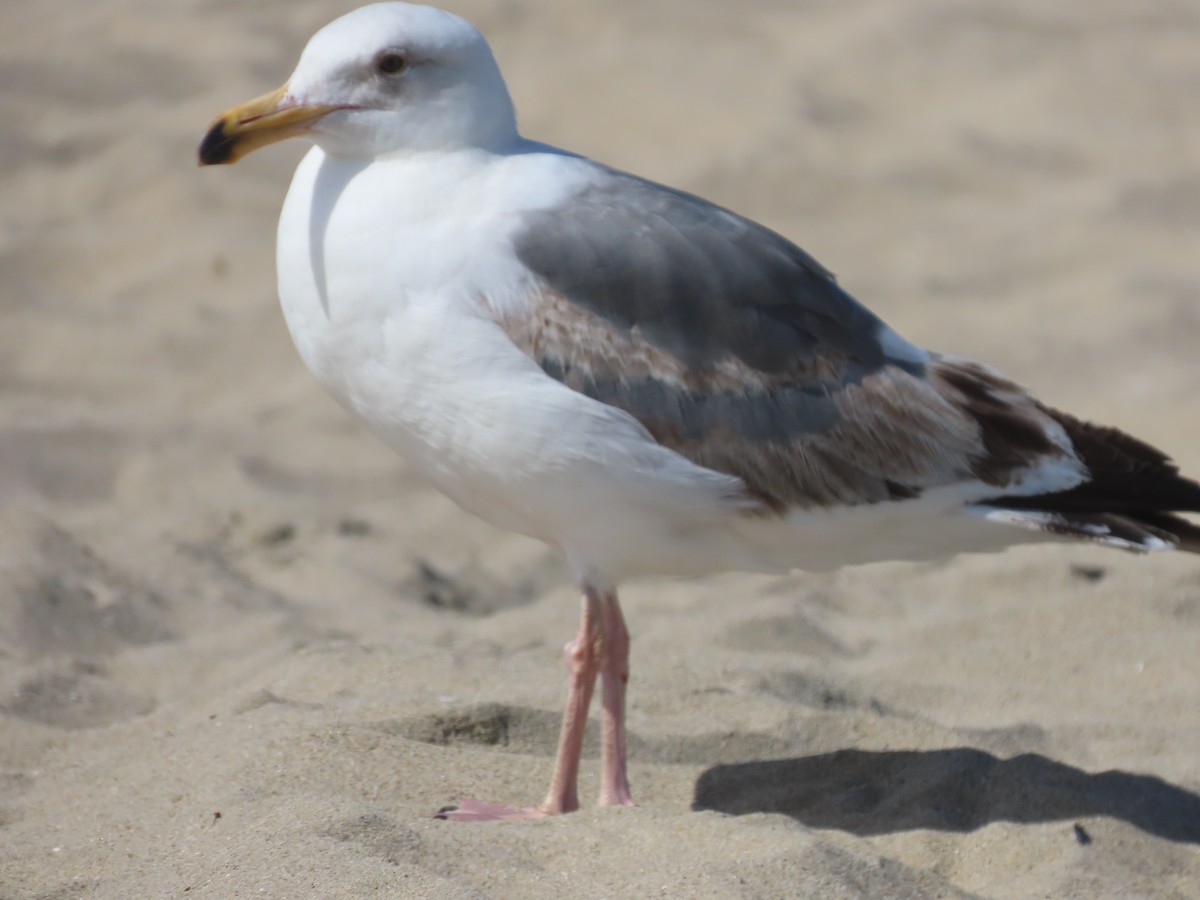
244, 651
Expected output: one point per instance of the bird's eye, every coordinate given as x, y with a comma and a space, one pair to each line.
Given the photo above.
390, 63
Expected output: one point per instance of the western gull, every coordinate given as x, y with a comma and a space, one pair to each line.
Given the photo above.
642, 379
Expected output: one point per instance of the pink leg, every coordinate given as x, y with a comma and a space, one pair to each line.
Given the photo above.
614, 676
583, 656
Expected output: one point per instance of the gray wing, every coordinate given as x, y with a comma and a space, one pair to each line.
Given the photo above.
697, 280
737, 349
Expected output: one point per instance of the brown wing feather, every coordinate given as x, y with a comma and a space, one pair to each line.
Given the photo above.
812, 437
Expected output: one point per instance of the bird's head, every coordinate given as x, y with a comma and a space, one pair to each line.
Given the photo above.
386, 78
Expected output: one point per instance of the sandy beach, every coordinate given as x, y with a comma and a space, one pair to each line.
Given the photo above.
246, 652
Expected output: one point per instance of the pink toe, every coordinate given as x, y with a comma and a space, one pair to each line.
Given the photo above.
480, 811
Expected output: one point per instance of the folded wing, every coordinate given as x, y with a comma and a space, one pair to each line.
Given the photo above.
735, 348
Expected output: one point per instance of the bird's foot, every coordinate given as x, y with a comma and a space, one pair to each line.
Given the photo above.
468, 810
616, 798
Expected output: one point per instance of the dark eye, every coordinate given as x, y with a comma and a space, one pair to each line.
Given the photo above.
390, 63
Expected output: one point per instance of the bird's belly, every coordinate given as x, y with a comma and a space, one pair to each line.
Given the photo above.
480, 420
476, 418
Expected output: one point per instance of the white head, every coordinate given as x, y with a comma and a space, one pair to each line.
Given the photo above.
386, 78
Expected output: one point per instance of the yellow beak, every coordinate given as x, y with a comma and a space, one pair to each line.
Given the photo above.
245, 128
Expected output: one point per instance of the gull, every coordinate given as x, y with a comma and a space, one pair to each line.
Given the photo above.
646, 381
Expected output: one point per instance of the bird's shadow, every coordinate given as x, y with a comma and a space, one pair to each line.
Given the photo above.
878, 792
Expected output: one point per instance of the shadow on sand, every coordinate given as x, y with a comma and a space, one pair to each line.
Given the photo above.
866, 792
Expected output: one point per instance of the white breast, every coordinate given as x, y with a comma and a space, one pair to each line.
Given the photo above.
387, 277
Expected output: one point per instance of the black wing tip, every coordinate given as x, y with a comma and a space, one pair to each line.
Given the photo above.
1135, 493
1185, 534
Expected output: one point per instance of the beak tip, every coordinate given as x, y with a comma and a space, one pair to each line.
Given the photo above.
217, 147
